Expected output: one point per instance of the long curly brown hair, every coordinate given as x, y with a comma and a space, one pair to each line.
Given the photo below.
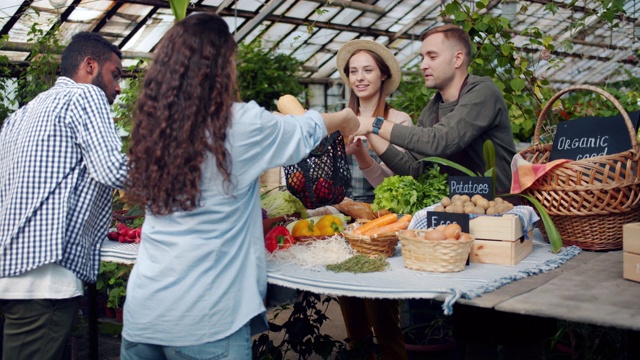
183, 112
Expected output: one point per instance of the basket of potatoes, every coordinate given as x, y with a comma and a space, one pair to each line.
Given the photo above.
477, 204
441, 249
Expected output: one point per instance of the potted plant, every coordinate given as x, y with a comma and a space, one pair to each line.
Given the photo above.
112, 282
425, 329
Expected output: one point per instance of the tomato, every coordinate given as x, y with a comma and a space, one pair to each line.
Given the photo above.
296, 181
323, 191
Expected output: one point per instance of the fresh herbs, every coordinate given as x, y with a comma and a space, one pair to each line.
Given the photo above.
360, 264
406, 195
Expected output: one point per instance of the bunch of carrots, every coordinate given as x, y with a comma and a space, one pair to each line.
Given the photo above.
387, 224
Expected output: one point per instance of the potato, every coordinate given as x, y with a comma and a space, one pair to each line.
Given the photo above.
445, 201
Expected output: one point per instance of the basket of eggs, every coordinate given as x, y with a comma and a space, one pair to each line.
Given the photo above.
378, 236
441, 249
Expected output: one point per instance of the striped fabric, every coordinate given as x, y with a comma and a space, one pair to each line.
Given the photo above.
526, 173
60, 157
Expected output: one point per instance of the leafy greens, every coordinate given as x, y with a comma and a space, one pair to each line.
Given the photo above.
407, 195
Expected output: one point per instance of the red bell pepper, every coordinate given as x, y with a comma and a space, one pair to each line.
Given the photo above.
278, 238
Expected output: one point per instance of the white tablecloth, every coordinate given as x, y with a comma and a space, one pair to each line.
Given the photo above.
402, 283
123, 253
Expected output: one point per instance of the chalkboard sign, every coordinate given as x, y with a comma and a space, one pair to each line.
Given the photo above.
435, 218
471, 185
592, 136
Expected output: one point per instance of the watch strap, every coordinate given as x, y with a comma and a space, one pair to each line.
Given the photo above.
377, 124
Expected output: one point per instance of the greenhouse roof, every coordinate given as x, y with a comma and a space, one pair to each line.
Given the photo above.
313, 30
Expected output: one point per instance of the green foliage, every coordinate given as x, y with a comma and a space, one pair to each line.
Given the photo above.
264, 76
7, 103
179, 8
41, 73
520, 72
300, 332
412, 95
112, 281
125, 105
407, 195
38, 76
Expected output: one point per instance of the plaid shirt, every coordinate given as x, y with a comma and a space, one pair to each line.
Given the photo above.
360, 189
60, 157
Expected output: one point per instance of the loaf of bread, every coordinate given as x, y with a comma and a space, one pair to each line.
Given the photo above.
289, 105
355, 209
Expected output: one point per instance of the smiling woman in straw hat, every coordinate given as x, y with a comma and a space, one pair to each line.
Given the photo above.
371, 72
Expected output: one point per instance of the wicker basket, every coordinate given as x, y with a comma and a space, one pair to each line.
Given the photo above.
590, 199
370, 245
121, 217
431, 255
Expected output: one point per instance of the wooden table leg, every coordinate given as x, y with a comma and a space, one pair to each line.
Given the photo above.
93, 321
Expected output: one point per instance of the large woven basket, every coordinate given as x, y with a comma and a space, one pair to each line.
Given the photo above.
433, 255
371, 245
590, 199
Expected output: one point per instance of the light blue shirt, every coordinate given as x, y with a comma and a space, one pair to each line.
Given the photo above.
201, 275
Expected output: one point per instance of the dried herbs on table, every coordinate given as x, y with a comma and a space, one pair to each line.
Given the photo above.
360, 264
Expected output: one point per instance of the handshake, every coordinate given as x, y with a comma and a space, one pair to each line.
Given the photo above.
344, 121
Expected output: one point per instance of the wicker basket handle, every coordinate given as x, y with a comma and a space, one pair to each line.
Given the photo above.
606, 95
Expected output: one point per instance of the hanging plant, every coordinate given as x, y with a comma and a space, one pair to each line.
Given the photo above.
265, 75
179, 8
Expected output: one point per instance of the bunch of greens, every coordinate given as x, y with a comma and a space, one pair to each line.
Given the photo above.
280, 203
406, 194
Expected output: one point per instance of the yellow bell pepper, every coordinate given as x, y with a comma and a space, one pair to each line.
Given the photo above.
304, 228
329, 225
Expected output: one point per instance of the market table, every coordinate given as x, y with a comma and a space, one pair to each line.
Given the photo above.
586, 287
111, 251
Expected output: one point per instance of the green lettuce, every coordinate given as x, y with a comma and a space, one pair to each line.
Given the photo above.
406, 194
280, 203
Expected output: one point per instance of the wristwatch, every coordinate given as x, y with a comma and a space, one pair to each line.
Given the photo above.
377, 124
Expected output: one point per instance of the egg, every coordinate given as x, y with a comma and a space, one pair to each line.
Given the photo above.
435, 235
465, 237
440, 227
452, 230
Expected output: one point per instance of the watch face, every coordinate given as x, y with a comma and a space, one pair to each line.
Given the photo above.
378, 122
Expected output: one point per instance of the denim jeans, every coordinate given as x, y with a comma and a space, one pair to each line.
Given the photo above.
235, 346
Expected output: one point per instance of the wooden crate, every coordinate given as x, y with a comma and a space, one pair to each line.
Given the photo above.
631, 251
499, 240
501, 252
631, 266
506, 227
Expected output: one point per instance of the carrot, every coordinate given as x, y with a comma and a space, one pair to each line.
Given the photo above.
390, 229
381, 221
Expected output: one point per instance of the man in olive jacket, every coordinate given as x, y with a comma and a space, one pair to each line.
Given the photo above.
466, 111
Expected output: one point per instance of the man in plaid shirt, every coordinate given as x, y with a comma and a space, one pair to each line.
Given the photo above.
60, 158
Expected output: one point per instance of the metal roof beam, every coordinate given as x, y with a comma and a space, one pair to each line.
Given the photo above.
353, 5
14, 19
257, 19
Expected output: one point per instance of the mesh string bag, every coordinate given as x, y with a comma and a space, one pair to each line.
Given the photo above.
323, 176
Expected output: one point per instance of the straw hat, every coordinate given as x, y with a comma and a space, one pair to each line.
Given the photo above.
345, 52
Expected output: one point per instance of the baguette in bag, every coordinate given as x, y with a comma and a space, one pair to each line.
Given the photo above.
289, 105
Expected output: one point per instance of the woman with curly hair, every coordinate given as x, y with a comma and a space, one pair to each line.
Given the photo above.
199, 283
